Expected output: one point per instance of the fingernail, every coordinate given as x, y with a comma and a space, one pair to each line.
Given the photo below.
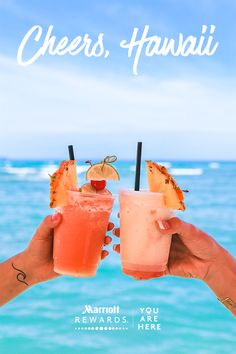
114, 247
163, 225
111, 225
55, 217
107, 240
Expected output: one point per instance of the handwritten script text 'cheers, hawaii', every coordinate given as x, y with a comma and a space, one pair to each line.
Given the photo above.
139, 43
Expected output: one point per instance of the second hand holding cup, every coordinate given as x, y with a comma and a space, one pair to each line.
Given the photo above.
144, 250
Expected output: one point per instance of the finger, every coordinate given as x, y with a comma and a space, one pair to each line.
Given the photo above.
163, 225
45, 228
116, 232
116, 248
176, 226
107, 240
104, 254
197, 241
56, 219
110, 226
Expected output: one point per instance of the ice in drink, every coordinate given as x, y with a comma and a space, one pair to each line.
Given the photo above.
79, 238
144, 250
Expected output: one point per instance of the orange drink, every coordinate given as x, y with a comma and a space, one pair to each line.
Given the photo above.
79, 238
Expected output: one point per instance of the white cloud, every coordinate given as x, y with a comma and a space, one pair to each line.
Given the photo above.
40, 100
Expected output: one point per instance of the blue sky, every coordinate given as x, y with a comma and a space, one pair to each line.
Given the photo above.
181, 108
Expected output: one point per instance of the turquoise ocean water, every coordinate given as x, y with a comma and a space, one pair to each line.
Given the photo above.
42, 320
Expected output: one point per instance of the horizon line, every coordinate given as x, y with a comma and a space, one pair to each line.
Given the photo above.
121, 159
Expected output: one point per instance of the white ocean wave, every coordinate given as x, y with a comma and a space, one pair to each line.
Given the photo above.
37, 173
50, 169
166, 164
186, 171
45, 171
20, 171
81, 169
214, 165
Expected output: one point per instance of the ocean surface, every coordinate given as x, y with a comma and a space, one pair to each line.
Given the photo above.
43, 319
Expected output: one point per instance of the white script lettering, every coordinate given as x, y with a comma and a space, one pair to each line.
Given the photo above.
155, 45
64, 46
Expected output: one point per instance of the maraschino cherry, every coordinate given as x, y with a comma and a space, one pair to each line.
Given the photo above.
98, 185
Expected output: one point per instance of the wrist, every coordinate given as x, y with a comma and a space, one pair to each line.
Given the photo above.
23, 271
15, 277
221, 278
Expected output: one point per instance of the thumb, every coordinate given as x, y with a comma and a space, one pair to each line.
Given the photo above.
174, 226
45, 228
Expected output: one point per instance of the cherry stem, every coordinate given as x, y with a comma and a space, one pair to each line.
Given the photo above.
89, 162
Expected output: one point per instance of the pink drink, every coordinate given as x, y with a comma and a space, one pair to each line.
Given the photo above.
79, 238
144, 250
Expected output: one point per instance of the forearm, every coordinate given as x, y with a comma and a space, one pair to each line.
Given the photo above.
222, 280
15, 277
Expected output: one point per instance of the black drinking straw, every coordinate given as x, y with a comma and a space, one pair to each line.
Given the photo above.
71, 152
138, 166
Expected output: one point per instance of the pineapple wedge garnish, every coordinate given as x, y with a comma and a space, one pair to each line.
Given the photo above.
159, 180
64, 179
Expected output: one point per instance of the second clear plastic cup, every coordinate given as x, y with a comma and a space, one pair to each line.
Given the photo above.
79, 238
144, 250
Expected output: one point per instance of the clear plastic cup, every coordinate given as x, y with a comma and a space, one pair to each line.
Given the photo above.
79, 238
144, 250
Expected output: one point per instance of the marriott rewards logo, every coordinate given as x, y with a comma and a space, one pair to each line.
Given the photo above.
113, 318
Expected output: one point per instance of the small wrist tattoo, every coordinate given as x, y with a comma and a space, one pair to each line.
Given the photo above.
21, 276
